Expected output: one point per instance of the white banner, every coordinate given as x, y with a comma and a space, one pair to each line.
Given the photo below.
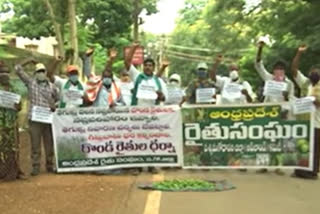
73, 97
232, 91
205, 95
274, 88
8, 99
303, 105
146, 91
175, 95
41, 114
87, 139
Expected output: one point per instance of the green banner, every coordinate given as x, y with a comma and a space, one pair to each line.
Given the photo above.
250, 136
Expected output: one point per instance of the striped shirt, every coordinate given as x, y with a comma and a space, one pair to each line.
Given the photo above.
43, 94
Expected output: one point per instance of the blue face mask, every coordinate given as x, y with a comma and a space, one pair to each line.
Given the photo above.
107, 81
74, 78
202, 74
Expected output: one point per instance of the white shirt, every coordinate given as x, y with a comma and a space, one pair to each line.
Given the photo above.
126, 91
266, 76
134, 73
301, 80
227, 98
60, 84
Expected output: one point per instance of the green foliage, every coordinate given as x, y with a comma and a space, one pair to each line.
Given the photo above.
232, 28
183, 185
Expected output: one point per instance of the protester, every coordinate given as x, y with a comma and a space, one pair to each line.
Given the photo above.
201, 82
126, 87
44, 94
9, 140
104, 91
233, 89
149, 89
313, 82
175, 92
72, 91
278, 75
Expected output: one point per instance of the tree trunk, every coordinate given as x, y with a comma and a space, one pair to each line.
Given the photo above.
136, 13
73, 30
57, 29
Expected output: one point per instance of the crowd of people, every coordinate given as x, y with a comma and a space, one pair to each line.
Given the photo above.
135, 88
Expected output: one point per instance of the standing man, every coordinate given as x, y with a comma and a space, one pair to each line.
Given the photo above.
72, 91
313, 82
9, 140
175, 92
149, 89
104, 91
278, 75
234, 90
43, 94
203, 81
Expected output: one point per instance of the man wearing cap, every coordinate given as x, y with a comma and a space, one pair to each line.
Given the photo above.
175, 92
71, 89
9, 140
43, 94
201, 82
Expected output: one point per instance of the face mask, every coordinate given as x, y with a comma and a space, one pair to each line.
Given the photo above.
41, 76
74, 78
174, 84
234, 75
202, 74
107, 81
314, 77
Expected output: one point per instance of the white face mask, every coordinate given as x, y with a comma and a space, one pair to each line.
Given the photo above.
174, 84
41, 76
234, 75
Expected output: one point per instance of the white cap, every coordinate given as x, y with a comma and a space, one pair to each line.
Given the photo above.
40, 66
175, 77
202, 65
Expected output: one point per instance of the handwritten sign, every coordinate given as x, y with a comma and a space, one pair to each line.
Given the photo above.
303, 105
146, 91
8, 99
175, 95
274, 88
232, 91
73, 97
205, 95
41, 115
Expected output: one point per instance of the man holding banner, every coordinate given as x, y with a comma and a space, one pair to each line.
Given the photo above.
149, 89
313, 84
277, 88
43, 96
